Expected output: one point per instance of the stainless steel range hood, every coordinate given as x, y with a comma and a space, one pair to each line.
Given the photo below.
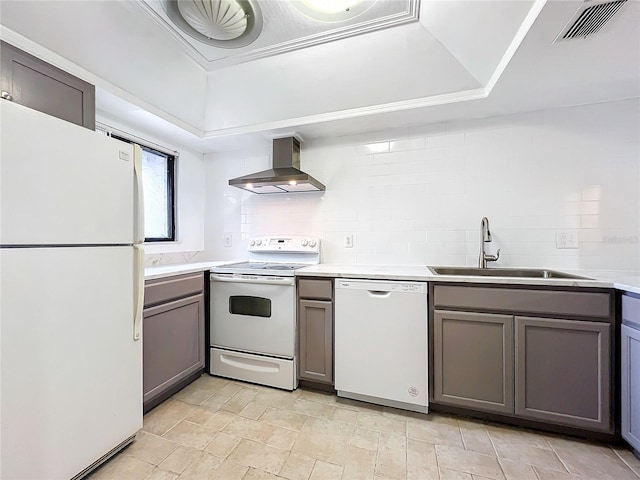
285, 176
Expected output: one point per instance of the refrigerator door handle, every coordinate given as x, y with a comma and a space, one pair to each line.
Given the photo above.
139, 195
138, 252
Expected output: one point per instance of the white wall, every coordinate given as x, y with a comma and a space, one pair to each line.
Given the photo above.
190, 191
420, 199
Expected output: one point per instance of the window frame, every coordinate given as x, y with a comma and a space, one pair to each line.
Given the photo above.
171, 190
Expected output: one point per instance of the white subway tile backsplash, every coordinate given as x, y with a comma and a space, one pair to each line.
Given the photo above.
372, 148
497, 137
592, 193
590, 208
448, 236
387, 180
383, 169
458, 249
418, 199
394, 158
408, 144
446, 140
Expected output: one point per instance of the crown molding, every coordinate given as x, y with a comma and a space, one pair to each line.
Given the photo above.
292, 123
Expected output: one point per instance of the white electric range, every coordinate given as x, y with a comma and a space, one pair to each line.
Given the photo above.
253, 311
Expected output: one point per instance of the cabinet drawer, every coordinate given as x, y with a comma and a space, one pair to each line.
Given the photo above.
319, 289
550, 302
631, 309
171, 288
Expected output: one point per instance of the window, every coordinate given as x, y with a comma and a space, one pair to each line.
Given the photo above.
158, 175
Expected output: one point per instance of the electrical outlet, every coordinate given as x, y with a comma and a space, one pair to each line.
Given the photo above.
228, 239
348, 241
567, 239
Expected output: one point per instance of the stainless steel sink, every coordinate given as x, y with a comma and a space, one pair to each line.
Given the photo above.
504, 272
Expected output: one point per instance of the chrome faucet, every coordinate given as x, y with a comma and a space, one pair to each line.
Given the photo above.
485, 237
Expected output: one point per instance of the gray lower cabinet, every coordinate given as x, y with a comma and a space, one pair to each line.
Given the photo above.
630, 369
559, 372
172, 335
473, 360
315, 330
31, 82
542, 355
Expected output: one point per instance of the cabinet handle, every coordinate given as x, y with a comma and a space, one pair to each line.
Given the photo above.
7, 96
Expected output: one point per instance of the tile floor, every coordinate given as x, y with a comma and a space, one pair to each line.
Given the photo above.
222, 429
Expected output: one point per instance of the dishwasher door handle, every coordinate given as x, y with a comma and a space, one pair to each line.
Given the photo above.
378, 293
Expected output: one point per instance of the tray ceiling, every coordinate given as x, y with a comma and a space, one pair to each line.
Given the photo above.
286, 26
458, 59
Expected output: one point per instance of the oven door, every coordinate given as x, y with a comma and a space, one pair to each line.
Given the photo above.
253, 313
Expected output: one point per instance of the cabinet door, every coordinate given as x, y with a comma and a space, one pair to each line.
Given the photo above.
630, 350
315, 333
563, 372
43, 87
173, 344
473, 360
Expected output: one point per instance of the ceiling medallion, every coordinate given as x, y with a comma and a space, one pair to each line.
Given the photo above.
221, 23
332, 10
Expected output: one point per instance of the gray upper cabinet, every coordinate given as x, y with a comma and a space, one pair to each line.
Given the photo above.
315, 330
473, 360
558, 372
630, 370
33, 83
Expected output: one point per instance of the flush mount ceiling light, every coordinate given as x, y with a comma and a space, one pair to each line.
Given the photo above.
221, 23
332, 10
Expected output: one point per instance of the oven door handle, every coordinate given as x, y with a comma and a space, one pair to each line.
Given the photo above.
252, 279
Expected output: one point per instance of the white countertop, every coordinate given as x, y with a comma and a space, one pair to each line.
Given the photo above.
626, 281
169, 270
418, 273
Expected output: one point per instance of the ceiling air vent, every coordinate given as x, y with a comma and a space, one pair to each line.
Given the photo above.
590, 18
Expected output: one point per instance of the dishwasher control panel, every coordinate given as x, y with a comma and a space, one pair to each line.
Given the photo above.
383, 286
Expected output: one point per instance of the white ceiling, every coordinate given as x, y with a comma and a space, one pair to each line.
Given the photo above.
462, 59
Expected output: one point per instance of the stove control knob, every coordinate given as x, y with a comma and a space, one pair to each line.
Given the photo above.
312, 243
252, 243
305, 242
258, 242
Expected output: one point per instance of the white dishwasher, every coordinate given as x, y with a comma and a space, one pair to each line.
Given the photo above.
381, 342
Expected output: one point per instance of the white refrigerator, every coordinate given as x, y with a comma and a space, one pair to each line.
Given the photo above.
71, 295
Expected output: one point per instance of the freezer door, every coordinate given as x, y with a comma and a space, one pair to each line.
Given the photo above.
71, 371
61, 183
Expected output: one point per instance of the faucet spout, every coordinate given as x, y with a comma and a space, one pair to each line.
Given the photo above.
485, 237
484, 230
